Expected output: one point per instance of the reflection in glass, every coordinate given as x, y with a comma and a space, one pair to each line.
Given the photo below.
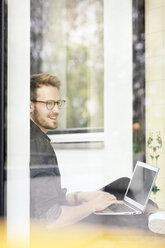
67, 41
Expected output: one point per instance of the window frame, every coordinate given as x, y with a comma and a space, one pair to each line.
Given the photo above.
70, 137
18, 124
2, 27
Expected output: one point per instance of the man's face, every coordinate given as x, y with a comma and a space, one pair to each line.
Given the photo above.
45, 119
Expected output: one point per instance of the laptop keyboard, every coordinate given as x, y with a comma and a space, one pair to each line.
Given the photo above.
120, 208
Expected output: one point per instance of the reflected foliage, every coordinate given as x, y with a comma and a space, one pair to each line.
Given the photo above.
138, 77
36, 27
67, 40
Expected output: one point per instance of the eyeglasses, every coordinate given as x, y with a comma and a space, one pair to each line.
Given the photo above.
50, 104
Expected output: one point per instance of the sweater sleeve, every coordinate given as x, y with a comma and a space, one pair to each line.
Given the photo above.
46, 194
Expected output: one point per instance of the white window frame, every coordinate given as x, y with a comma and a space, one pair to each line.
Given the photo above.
18, 124
77, 137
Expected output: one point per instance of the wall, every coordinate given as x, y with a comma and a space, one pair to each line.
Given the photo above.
155, 91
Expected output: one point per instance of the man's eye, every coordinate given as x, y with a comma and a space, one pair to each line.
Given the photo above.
50, 103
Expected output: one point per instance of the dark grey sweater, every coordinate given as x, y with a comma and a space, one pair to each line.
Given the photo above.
46, 194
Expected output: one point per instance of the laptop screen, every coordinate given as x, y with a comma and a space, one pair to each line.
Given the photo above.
141, 184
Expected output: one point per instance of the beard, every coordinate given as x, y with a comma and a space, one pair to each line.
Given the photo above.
42, 121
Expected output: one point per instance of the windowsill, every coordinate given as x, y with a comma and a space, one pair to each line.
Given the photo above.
77, 140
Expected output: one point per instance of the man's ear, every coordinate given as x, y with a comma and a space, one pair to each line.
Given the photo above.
31, 107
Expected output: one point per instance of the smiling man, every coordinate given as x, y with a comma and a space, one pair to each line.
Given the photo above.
49, 202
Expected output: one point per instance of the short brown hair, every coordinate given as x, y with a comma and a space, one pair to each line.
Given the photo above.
37, 80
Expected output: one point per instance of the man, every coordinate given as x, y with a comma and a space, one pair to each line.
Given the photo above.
49, 202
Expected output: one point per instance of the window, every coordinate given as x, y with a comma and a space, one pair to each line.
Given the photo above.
68, 42
80, 42
93, 166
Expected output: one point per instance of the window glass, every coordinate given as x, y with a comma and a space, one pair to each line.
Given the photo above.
67, 41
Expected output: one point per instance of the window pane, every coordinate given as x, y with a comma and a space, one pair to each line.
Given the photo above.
67, 41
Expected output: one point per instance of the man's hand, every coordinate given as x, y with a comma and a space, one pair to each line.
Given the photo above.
95, 201
82, 197
103, 200
88, 196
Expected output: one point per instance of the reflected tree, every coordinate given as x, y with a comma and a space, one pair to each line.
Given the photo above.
67, 40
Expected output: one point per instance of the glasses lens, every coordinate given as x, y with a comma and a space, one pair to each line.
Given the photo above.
50, 104
62, 103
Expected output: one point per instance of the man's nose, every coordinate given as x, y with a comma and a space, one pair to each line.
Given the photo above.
56, 109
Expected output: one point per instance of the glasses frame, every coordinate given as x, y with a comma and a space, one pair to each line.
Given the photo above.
59, 103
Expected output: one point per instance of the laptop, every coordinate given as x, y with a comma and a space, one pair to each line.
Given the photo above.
137, 193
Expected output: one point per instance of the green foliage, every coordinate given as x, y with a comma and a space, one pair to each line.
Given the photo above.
84, 68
